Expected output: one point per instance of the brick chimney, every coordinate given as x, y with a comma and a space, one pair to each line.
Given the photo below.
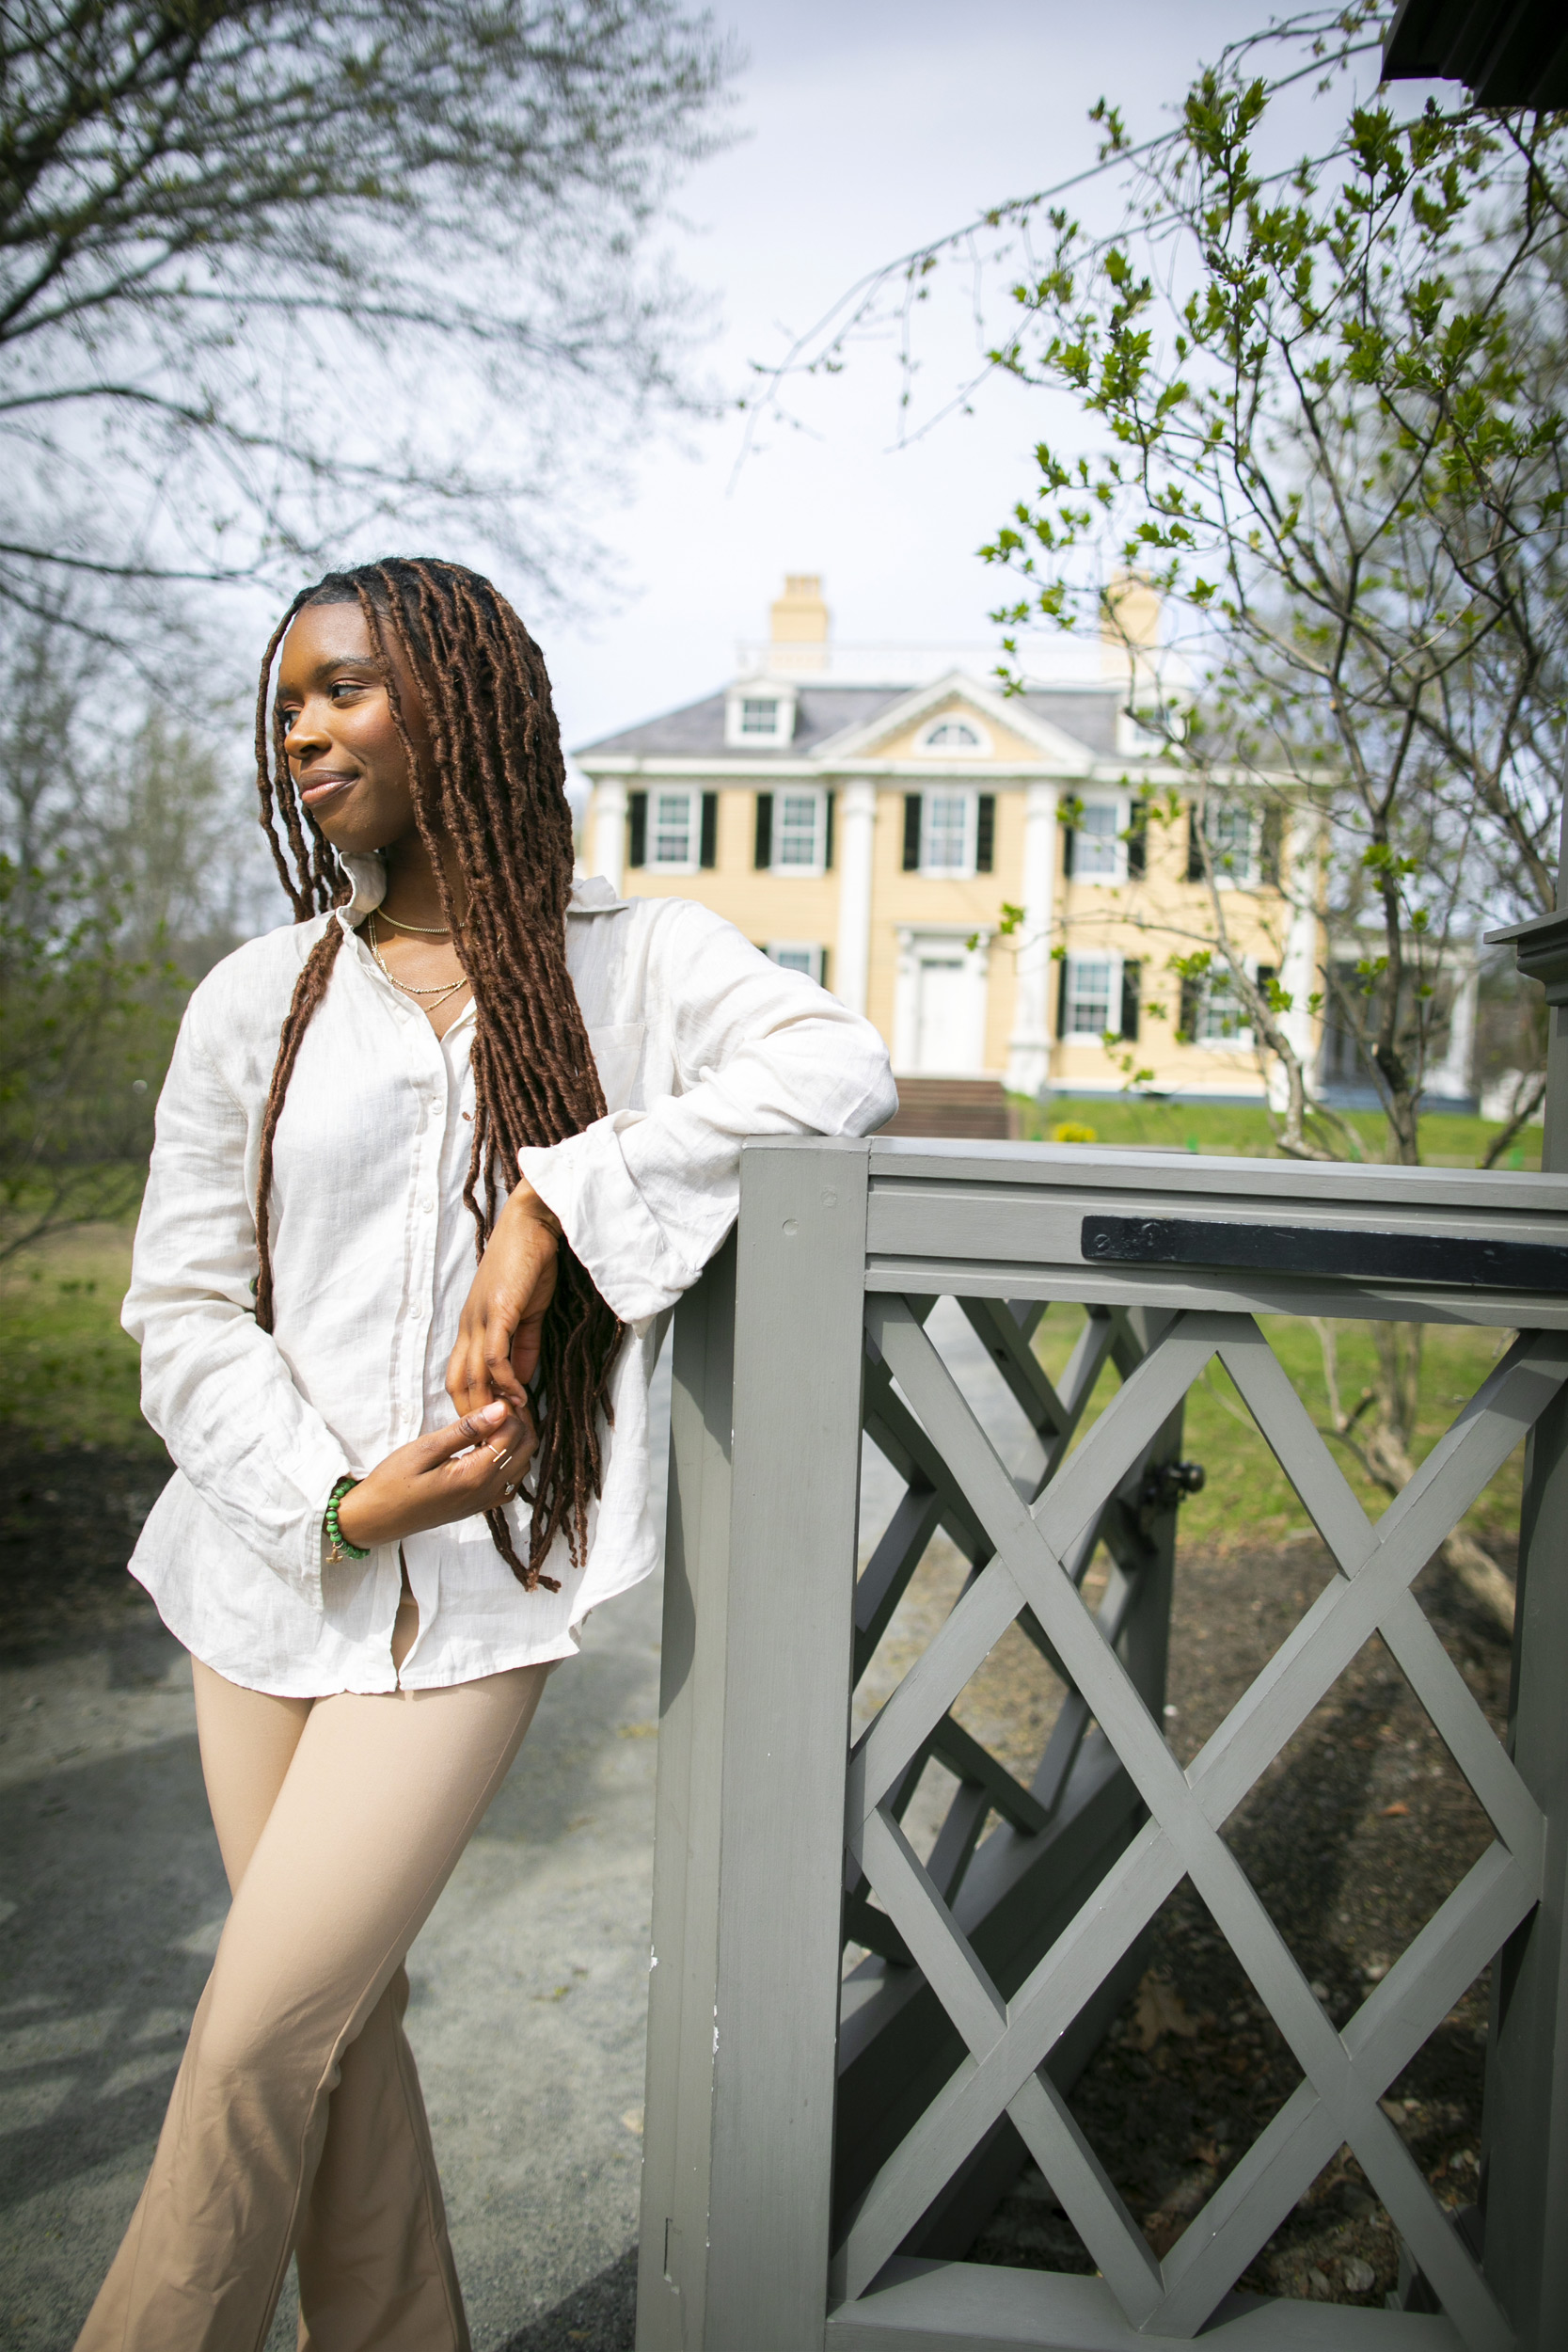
1131, 622
799, 620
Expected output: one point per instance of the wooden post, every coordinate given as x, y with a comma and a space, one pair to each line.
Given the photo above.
1524, 2166
755, 1738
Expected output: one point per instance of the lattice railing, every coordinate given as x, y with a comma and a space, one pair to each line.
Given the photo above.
1039, 1546
812, 2134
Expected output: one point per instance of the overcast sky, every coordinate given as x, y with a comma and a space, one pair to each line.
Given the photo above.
870, 126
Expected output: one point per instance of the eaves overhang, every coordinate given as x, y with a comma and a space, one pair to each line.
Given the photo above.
1509, 52
818, 767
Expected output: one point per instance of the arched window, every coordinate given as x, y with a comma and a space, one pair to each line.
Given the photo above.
953, 735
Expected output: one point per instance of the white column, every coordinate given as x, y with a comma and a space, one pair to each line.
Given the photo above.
1453, 1078
1029, 1048
857, 831
1298, 971
607, 834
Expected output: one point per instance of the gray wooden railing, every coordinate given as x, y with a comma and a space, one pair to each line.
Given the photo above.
817, 2135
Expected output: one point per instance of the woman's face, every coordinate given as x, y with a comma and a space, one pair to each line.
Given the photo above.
343, 749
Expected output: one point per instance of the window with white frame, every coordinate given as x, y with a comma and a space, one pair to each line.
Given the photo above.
796, 955
1097, 844
947, 832
953, 735
758, 712
674, 830
800, 830
1231, 843
1222, 1019
1091, 986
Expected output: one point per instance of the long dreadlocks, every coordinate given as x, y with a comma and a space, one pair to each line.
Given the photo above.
495, 788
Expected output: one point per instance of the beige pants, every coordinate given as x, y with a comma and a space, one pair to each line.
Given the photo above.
295, 2124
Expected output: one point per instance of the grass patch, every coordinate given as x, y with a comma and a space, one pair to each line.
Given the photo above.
1247, 1499
1241, 1129
69, 1374
70, 1377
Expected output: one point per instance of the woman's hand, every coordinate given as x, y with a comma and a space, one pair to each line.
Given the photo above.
498, 1337
472, 1465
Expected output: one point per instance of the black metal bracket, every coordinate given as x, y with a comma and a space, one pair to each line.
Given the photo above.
1165, 1485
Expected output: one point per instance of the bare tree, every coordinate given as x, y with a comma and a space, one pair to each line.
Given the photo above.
126, 862
273, 273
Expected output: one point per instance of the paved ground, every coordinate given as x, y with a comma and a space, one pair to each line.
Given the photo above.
529, 1983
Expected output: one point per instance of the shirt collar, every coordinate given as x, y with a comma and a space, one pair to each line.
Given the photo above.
593, 895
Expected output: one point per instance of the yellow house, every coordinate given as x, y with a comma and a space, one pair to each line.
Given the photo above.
868, 815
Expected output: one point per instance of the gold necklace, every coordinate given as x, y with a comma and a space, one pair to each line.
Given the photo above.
440, 993
425, 931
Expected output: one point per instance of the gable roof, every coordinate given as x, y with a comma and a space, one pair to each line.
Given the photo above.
1065, 722
697, 729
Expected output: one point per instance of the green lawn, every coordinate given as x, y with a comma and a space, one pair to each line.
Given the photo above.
1242, 1128
69, 1374
1247, 1499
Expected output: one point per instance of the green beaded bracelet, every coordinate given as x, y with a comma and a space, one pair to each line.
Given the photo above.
341, 1547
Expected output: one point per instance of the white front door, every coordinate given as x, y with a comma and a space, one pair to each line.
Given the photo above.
949, 1011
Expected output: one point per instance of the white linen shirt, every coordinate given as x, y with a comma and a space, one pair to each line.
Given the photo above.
699, 1041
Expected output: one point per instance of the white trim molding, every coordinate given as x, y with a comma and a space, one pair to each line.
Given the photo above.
856, 850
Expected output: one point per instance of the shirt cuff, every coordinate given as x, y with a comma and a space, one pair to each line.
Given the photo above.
611, 1227
309, 1560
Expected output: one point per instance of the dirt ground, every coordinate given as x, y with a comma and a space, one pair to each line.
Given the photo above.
1353, 1838
68, 1519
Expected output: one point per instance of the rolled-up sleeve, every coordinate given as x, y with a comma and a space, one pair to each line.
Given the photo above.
646, 1197
215, 1388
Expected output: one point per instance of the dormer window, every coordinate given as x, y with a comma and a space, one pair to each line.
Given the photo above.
953, 738
759, 715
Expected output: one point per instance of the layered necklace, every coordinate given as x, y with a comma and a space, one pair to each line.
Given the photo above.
430, 999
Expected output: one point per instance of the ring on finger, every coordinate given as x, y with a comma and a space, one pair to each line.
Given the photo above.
508, 1492
502, 1459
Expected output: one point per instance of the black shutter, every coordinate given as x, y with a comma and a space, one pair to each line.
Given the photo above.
636, 810
822, 976
985, 833
763, 855
1192, 1005
1273, 845
1266, 973
1194, 844
912, 832
828, 849
1137, 847
1132, 989
710, 830
1061, 997
1068, 839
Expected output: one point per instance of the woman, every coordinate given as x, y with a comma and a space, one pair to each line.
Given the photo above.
454, 1044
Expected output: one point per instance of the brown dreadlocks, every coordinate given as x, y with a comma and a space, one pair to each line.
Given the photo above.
496, 788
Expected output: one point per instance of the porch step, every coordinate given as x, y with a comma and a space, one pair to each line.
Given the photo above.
951, 1106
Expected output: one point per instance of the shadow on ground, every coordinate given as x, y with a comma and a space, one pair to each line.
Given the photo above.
599, 2317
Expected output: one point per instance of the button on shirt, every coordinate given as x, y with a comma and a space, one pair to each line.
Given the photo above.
699, 1040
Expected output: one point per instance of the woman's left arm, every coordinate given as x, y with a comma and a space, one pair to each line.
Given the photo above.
646, 1197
